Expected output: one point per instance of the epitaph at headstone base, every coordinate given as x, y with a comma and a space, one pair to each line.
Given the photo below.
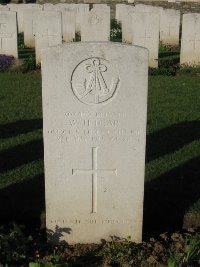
94, 110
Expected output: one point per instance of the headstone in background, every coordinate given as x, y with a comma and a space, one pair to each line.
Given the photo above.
96, 25
103, 8
18, 8
190, 40
126, 13
68, 21
81, 11
49, 7
118, 9
148, 8
146, 34
8, 33
48, 31
94, 115
30, 18
4, 8
170, 26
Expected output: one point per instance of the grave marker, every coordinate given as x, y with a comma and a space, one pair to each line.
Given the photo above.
169, 26
146, 34
8, 33
48, 31
30, 17
94, 110
68, 21
96, 25
81, 11
190, 41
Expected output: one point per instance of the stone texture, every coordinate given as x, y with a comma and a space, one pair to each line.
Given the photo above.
49, 7
8, 33
4, 8
147, 8
146, 34
68, 21
30, 17
169, 26
94, 115
48, 31
190, 41
81, 11
18, 8
124, 16
96, 25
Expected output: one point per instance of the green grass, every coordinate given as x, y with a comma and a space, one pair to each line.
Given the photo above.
173, 150
24, 52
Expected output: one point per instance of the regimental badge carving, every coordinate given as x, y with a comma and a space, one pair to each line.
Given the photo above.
95, 81
94, 19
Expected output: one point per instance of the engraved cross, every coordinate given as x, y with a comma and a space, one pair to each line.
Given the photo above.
94, 172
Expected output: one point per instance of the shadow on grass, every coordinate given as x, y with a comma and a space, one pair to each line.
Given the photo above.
23, 202
21, 154
19, 127
168, 197
168, 140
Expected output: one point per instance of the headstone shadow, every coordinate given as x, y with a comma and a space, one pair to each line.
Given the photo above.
23, 202
168, 197
19, 127
170, 139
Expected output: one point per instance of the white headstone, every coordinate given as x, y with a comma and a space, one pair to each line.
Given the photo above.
81, 11
96, 25
49, 7
4, 8
48, 31
190, 41
68, 21
30, 18
124, 14
19, 9
170, 26
8, 33
94, 110
147, 8
146, 34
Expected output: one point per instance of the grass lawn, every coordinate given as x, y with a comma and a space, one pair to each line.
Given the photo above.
172, 186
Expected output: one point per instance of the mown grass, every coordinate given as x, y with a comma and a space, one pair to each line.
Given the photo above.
172, 185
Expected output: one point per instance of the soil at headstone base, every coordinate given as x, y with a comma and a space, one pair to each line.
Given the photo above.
153, 252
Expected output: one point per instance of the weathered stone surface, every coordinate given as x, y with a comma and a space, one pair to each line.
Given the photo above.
81, 11
94, 110
68, 21
4, 8
147, 8
30, 18
48, 31
8, 33
49, 7
96, 25
190, 40
169, 26
146, 34
124, 16
18, 8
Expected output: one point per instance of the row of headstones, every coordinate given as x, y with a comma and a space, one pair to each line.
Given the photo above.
49, 25
146, 25
142, 25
